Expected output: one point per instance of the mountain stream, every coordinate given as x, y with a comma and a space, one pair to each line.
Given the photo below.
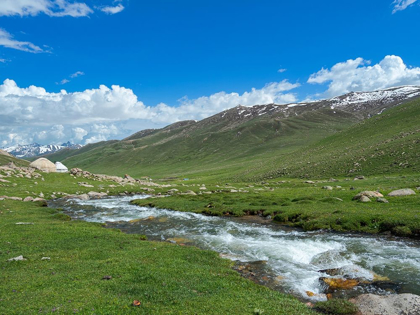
284, 259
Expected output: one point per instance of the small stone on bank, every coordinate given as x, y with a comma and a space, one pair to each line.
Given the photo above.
382, 200
18, 258
24, 223
45, 258
364, 199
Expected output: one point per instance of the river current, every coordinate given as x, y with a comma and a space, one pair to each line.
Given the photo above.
293, 257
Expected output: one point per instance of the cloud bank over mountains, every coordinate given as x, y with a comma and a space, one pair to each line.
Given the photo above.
34, 115
357, 75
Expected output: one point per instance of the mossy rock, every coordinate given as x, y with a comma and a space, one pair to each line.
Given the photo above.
336, 307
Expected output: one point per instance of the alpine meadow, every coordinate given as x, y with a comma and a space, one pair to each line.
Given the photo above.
223, 157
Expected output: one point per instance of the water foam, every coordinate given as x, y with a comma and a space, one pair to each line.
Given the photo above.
295, 256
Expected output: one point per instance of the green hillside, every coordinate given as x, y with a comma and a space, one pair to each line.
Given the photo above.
385, 144
6, 158
219, 145
314, 143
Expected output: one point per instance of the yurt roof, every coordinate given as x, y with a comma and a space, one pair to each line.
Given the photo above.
43, 164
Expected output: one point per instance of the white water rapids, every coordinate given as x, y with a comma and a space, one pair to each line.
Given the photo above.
293, 256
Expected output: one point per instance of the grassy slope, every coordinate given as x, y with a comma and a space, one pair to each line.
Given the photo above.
211, 147
269, 146
385, 144
4, 160
166, 278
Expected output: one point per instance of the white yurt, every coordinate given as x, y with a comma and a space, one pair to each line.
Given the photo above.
44, 165
61, 168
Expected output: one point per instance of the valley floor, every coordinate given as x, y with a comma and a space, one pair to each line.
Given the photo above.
78, 267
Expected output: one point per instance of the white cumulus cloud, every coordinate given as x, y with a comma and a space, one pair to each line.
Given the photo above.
7, 40
359, 75
400, 5
112, 10
77, 74
78, 134
56, 8
33, 114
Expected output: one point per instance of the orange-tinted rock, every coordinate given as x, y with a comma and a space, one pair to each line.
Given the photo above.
339, 283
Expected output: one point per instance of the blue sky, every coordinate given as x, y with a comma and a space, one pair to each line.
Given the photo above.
161, 61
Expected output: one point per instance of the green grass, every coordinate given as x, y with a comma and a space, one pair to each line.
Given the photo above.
165, 278
310, 207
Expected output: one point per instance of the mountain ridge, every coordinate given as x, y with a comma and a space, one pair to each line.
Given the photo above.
237, 139
36, 149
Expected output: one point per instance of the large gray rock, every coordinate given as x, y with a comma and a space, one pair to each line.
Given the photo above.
402, 304
402, 192
84, 197
369, 194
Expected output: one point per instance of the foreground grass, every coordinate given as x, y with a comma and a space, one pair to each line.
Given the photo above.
165, 278
308, 206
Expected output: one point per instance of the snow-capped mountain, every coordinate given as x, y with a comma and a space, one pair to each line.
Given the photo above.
360, 104
35, 149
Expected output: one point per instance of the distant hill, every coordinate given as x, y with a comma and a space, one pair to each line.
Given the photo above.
249, 142
6, 158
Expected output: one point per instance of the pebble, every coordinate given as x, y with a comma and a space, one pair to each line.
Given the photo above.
18, 258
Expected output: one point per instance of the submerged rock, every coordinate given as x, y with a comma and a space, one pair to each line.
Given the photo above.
338, 284
96, 195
